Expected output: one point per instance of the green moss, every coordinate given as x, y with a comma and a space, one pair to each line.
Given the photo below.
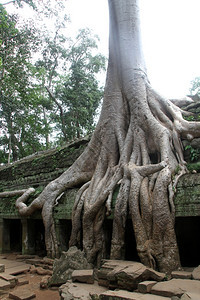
194, 166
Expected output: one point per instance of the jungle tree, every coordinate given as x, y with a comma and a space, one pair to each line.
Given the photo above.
70, 68
16, 98
136, 146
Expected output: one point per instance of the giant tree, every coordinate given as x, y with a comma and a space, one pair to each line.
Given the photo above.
136, 147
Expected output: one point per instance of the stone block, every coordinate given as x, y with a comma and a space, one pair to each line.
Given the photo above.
22, 281
22, 295
85, 276
125, 295
181, 274
176, 287
4, 284
72, 290
146, 286
12, 279
126, 274
19, 269
196, 273
2, 268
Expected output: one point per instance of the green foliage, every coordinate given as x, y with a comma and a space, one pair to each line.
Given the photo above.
20, 115
59, 92
194, 153
75, 92
194, 166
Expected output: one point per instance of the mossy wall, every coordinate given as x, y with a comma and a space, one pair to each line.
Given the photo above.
39, 169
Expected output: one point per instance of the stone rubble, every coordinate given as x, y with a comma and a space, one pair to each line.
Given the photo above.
127, 280
85, 276
125, 274
14, 275
123, 280
69, 261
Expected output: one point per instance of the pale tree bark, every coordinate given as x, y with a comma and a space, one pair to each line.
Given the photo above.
136, 146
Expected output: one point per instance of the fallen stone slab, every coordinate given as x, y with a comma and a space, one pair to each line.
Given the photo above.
25, 256
146, 286
71, 290
45, 262
11, 263
181, 275
22, 281
126, 274
125, 295
4, 285
12, 279
176, 287
19, 269
196, 273
22, 295
85, 276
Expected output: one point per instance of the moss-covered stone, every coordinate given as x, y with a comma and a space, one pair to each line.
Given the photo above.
39, 169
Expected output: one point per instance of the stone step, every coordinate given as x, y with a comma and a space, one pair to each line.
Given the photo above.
125, 295
18, 269
10, 278
4, 284
8, 263
176, 287
22, 281
181, 275
22, 294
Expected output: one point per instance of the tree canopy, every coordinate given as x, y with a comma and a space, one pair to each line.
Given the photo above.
45, 89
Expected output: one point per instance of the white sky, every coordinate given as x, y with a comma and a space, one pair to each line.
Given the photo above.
171, 39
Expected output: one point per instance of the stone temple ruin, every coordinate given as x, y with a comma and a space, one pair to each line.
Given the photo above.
26, 234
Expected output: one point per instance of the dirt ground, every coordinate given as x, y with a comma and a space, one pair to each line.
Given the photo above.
33, 285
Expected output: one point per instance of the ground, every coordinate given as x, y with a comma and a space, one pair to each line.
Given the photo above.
33, 285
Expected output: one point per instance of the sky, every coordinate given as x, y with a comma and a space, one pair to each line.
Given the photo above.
170, 34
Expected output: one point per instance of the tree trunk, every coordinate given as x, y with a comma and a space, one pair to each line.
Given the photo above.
136, 146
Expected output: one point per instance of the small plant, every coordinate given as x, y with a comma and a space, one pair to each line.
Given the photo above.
194, 153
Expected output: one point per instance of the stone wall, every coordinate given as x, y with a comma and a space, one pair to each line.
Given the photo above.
39, 169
